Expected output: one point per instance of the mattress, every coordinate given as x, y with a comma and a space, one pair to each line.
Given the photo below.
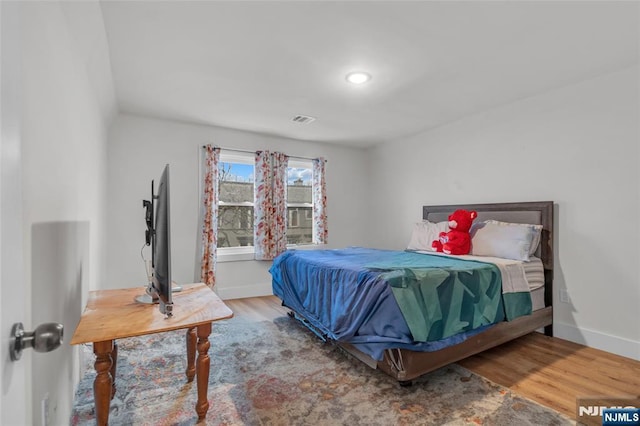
534, 273
537, 299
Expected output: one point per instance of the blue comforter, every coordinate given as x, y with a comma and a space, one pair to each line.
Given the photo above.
348, 295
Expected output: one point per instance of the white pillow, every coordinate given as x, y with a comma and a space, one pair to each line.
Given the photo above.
425, 232
515, 241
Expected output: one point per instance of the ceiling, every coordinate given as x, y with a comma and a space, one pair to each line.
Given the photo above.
255, 65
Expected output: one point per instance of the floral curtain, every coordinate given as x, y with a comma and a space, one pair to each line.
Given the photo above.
270, 204
279, 233
210, 215
319, 194
262, 203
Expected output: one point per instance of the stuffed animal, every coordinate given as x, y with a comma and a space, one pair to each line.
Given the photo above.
458, 239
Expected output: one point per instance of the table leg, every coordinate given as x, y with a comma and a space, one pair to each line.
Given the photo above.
102, 383
114, 362
191, 354
202, 406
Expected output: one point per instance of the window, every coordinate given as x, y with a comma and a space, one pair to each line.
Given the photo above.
236, 174
235, 209
299, 202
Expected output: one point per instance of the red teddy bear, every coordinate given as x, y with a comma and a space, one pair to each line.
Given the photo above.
457, 240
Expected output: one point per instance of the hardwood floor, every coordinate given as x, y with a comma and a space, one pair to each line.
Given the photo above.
554, 372
551, 371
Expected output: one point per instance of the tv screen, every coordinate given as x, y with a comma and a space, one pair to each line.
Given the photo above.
162, 245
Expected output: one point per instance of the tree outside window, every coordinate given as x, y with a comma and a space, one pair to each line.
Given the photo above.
235, 210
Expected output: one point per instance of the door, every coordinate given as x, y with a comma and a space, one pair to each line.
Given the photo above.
13, 375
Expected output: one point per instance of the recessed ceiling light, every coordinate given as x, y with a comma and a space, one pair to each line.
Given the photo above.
358, 77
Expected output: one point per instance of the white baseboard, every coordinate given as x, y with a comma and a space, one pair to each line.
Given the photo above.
594, 339
254, 290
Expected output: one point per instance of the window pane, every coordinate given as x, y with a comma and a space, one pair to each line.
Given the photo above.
299, 185
235, 226
293, 218
300, 223
236, 182
300, 226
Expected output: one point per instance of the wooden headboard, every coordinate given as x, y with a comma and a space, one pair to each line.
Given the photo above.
535, 212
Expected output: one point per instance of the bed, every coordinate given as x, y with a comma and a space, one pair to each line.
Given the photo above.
367, 300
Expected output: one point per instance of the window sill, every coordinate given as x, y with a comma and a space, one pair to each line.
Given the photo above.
308, 246
235, 254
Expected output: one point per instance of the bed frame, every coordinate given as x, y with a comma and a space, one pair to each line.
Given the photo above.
405, 365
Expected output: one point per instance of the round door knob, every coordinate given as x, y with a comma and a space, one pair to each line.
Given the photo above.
45, 338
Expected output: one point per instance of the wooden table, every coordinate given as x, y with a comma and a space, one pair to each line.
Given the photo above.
114, 314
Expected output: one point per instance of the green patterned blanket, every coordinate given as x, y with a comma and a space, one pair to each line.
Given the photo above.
442, 296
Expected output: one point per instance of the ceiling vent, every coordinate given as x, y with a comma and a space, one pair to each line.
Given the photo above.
303, 119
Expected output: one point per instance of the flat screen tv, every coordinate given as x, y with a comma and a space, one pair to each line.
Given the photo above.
158, 235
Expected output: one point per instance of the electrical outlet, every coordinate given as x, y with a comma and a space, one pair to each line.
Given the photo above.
564, 296
53, 414
44, 408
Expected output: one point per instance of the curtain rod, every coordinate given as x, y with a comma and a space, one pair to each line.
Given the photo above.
253, 152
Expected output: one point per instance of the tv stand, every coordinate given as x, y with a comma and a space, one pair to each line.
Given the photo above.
147, 299
114, 314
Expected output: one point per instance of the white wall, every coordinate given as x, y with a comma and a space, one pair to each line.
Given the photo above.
576, 146
67, 104
138, 150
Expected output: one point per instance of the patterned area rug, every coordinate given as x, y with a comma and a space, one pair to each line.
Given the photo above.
279, 373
